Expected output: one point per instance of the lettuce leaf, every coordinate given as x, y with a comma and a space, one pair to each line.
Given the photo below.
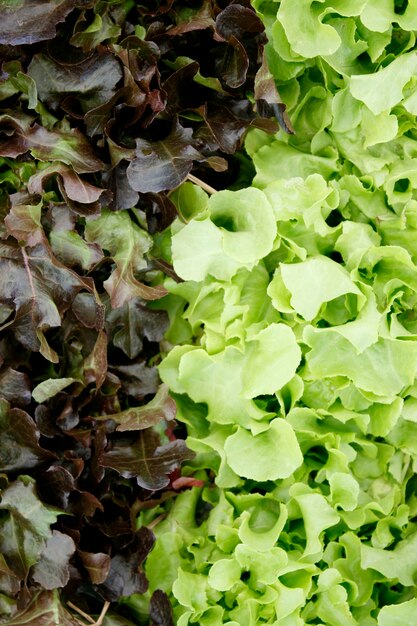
297, 378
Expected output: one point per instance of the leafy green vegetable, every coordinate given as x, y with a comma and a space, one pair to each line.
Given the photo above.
295, 359
105, 108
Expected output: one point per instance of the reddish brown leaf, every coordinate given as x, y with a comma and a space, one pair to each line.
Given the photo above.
24, 22
97, 565
160, 610
146, 460
15, 387
24, 220
95, 365
163, 164
52, 569
19, 441
92, 80
40, 289
44, 609
161, 407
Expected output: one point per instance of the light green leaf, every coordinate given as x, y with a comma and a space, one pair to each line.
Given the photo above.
279, 160
217, 380
379, 15
163, 561
400, 563
384, 89
247, 223
345, 59
385, 368
270, 455
344, 490
264, 567
364, 330
309, 200
314, 282
317, 514
262, 525
306, 33
271, 359
190, 590
197, 252
398, 614
333, 605
191, 201
240, 231
378, 128
224, 574
49, 388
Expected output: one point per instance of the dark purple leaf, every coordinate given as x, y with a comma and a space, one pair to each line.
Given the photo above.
145, 543
92, 81
81, 118
123, 579
138, 380
19, 441
40, 289
97, 565
88, 311
125, 576
160, 211
96, 118
228, 129
131, 322
14, 126
9, 581
161, 407
162, 164
15, 387
200, 20
267, 98
70, 147
44, 609
95, 365
182, 92
24, 220
237, 20
160, 610
141, 57
124, 197
25, 526
232, 63
146, 460
75, 187
28, 21
52, 569
158, 7
56, 485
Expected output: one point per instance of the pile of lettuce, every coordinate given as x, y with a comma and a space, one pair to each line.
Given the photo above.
106, 106
293, 336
